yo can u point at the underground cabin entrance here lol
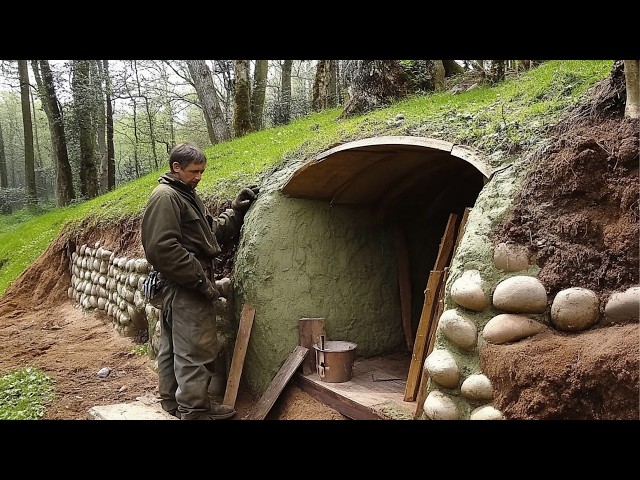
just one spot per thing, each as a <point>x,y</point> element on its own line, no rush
<point>424,188</point>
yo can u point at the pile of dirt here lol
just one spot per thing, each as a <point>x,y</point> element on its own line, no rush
<point>578,212</point>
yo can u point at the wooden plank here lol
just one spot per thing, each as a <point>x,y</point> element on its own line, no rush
<point>424,377</point>
<point>239,353</point>
<point>420,345</point>
<point>446,243</point>
<point>439,310</point>
<point>422,394</point>
<point>346,406</point>
<point>404,280</point>
<point>310,330</point>
<point>463,223</point>
<point>269,397</point>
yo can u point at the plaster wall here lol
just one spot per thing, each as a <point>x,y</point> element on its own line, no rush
<point>305,258</point>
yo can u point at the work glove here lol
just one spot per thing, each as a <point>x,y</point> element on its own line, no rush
<point>210,292</point>
<point>223,286</point>
<point>245,198</point>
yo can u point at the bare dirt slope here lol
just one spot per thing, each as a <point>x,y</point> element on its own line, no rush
<point>579,209</point>
<point>41,327</point>
<point>578,213</point>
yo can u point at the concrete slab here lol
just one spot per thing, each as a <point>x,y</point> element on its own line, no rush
<point>144,408</point>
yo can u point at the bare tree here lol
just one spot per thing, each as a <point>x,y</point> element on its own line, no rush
<point>4,182</point>
<point>134,124</point>
<point>111,161</point>
<point>82,106</point>
<point>149,114</point>
<point>29,157</point>
<point>99,118</point>
<point>44,179</point>
<point>631,74</point>
<point>64,178</point>
<point>5,206</point>
<point>282,110</point>
<point>258,94</point>
<point>218,129</point>
<point>242,99</point>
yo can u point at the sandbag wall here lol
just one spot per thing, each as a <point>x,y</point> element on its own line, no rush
<point>102,280</point>
<point>113,284</point>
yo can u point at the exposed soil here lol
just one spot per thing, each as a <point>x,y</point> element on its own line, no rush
<point>41,327</point>
<point>577,212</point>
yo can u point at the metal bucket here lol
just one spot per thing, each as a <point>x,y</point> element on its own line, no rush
<point>334,360</point>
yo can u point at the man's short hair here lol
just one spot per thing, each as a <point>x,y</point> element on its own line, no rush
<point>186,154</point>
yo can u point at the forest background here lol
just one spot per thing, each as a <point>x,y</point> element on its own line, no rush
<point>72,130</point>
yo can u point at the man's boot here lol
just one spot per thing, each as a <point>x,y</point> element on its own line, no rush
<point>216,412</point>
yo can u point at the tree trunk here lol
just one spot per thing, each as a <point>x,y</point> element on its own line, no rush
<point>496,72</point>
<point>377,83</point>
<point>631,74</point>
<point>42,182</point>
<point>282,114</point>
<point>64,178</point>
<point>134,123</point>
<point>258,94</point>
<point>29,160</point>
<point>82,102</point>
<point>324,94</point>
<point>286,91</point>
<point>425,76</point>
<point>242,100</point>
<point>111,157</point>
<point>150,119</point>
<point>451,67</point>
<point>218,129</point>
<point>4,180</point>
<point>5,205</point>
<point>100,122</point>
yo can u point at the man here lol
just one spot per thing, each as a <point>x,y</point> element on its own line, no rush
<point>181,241</point>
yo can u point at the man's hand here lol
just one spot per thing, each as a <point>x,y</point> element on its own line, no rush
<point>210,292</point>
<point>245,198</point>
<point>223,286</point>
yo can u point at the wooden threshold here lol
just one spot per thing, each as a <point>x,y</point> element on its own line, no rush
<point>374,392</point>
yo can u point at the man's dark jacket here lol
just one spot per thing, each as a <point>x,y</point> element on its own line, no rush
<point>180,239</point>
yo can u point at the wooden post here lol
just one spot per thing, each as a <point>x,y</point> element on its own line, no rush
<point>425,334</point>
<point>420,345</point>
<point>446,243</point>
<point>404,280</point>
<point>269,397</point>
<point>239,352</point>
<point>431,336</point>
<point>438,312</point>
<point>310,330</point>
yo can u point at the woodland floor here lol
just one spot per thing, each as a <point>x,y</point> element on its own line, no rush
<point>578,212</point>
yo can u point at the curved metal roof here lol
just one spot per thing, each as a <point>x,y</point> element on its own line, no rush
<point>377,170</point>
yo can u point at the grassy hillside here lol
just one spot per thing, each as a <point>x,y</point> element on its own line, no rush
<point>505,118</point>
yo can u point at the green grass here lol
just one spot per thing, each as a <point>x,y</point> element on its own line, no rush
<point>24,394</point>
<point>489,119</point>
<point>141,349</point>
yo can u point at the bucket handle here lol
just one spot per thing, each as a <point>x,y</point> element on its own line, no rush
<point>320,364</point>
